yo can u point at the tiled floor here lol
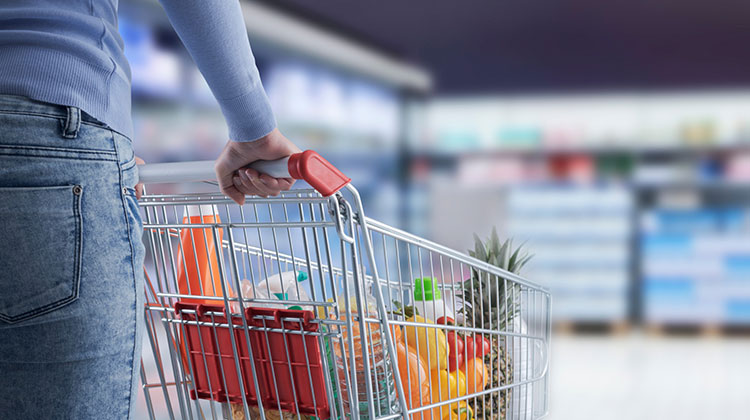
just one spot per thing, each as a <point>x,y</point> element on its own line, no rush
<point>636,377</point>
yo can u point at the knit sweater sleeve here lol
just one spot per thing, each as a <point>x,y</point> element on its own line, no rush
<point>214,33</point>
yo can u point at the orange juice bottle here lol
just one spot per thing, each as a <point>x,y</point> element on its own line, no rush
<point>197,258</point>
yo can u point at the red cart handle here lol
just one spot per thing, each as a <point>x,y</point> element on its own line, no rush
<point>317,172</point>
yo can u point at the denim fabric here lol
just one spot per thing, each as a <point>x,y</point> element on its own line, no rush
<point>71,258</point>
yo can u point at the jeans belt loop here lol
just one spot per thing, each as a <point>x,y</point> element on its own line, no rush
<point>72,123</point>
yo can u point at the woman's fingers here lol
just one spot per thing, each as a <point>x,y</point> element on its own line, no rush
<point>266,185</point>
<point>251,182</point>
<point>276,185</point>
<point>233,191</point>
<point>245,184</point>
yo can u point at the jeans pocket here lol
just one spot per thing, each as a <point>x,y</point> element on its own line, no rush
<point>40,253</point>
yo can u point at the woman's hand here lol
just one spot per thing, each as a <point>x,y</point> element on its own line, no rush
<point>236,181</point>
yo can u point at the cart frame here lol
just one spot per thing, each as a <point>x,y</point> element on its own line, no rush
<point>334,232</point>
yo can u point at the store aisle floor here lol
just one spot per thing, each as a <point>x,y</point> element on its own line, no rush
<point>637,377</point>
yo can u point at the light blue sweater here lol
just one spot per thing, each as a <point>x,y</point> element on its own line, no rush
<point>68,52</point>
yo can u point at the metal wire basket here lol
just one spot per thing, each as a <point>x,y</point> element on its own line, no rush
<point>299,306</point>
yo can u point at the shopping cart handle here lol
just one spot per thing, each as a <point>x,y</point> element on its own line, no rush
<point>308,166</point>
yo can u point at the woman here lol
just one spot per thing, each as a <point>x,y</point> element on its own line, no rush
<point>71,288</point>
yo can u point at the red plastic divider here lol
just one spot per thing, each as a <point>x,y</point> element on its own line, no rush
<point>288,365</point>
<point>201,343</point>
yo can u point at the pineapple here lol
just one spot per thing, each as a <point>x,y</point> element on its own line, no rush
<point>483,297</point>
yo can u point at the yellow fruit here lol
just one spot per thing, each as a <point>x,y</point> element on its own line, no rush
<point>460,382</point>
<point>463,412</point>
<point>476,374</point>
<point>446,386</point>
<point>430,343</point>
<point>322,310</point>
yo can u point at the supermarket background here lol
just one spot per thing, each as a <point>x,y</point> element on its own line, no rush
<point>613,138</point>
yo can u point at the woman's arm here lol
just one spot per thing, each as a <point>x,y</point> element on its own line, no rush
<point>214,33</point>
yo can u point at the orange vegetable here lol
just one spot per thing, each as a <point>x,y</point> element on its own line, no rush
<point>476,375</point>
<point>396,333</point>
<point>413,372</point>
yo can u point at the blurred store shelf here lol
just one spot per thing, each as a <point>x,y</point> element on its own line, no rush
<point>575,174</point>
<point>696,265</point>
<point>589,123</point>
<point>580,236</point>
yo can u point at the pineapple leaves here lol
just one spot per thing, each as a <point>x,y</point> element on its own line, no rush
<point>494,242</point>
<point>502,255</point>
<point>488,296</point>
<point>502,258</point>
<point>514,258</point>
<point>479,249</point>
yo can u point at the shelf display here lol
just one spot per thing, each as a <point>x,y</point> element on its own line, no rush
<point>586,122</point>
<point>580,235</point>
<point>695,265</point>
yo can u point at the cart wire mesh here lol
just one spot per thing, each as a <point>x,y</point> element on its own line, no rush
<point>296,307</point>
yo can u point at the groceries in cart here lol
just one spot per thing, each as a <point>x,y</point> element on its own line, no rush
<point>300,306</point>
<point>428,300</point>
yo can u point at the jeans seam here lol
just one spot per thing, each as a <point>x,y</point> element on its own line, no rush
<point>57,157</point>
<point>48,115</point>
<point>132,266</point>
<point>59,149</point>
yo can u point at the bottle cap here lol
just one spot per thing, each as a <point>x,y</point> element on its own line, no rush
<point>425,289</point>
<point>302,276</point>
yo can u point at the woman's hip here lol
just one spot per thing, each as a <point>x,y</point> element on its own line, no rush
<point>71,257</point>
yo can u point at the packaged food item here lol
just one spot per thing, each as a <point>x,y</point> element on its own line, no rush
<point>428,300</point>
<point>284,286</point>
<point>380,373</point>
<point>197,257</point>
<point>197,260</point>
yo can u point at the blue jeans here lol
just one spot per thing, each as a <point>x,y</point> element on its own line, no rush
<point>71,265</point>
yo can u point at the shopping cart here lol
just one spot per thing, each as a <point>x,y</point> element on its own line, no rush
<point>299,306</point>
